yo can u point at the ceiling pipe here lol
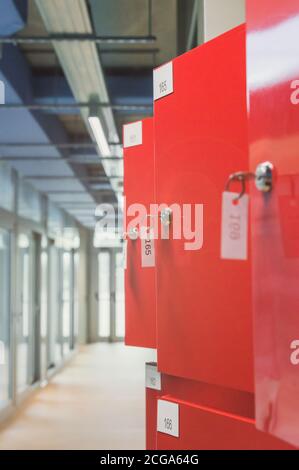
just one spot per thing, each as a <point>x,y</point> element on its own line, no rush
<point>104,178</point>
<point>42,106</point>
<point>64,37</point>
<point>98,191</point>
<point>114,50</point>
<point>61,145</point>
<point>65,159</point>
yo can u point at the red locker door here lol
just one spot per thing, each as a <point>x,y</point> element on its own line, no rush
<point>204,428</point>
<point>273,73</point>
<point>203,302</point>
<point>140,298</point>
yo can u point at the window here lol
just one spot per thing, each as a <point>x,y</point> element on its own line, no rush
<point>25,348</point>
<point>4,317</point>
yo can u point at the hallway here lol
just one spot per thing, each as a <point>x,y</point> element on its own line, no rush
<point>96,402</point>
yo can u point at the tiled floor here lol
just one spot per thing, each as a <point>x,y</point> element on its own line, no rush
<point>96,402</point>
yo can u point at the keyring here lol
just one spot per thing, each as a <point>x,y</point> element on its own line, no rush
<point>240,176</point>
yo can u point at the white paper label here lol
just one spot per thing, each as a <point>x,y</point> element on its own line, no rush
<point>168,418</point>
<point>147,252</point>
<point>234,230</point>
<point>163,81</point>
<point>152,377</point>
<point>125,254</point>
<point>133,134</point>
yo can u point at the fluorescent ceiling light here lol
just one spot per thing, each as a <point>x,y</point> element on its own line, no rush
<point>99,135</point>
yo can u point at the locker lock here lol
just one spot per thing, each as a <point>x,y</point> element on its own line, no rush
<point>263,178</point>
<point>166,216</point>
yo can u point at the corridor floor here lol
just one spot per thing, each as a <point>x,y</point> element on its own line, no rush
<point>95,402</point>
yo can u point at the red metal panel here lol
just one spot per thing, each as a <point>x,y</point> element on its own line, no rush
<point>206,428</point>
<point>273,65</point>
<point>151,418</point>
<point>213,396</point>
<point>203,302</point>
<point>139,282</point>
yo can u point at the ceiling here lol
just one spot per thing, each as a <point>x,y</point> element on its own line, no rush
<point>69,72</point>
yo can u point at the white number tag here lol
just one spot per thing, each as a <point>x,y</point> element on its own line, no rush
<point>152,377</point>
<point>163,81</point>
<point>133,134</point>
<point>234,230</point>
<point>147,250</point>
<point>168,418</point>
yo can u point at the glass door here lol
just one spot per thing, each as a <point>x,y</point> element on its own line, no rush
<point>110,295</point>
<point>25,337</point>
<point>44,310</point>
<point>37,295</point>
<point>119,288</point>
<point>28,353</point>
<point>67,300</point>
<point>5,356</point>
<point>54,318</point>
<point>75,323</point>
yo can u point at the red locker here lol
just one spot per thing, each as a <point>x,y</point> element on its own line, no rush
<point>140,298</point>
<point>203,302</point>
<point>273,74</point>
<point>204,428</point>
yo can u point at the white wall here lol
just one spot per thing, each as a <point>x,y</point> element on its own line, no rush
<point>221,16</point>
